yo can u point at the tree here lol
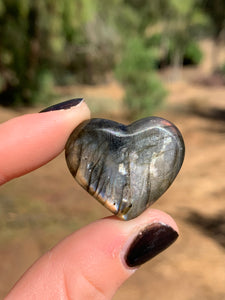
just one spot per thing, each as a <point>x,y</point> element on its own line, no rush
<point>171,26</point>
<point>42,41</point>
<point>144,90</point>
<point>215,10</point>
<point>137,66</point>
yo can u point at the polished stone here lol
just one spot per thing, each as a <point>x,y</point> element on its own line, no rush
<point>126,168</point>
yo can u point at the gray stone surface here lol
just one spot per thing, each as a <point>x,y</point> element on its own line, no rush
<point>126,168</point>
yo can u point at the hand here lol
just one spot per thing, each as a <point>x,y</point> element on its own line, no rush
<point>95,260</point>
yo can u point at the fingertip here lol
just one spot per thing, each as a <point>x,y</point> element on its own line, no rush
<point>158,216</point>
<point>114,249</point>
<point>153,233</point>
<point>76,115</point>
<point>94,261</point>
<point>73,114</point>
<point>36,139</point>
<point>63,105</point>
<point>149,216</point>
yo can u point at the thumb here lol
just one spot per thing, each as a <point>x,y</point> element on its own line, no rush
<point>94,261</point>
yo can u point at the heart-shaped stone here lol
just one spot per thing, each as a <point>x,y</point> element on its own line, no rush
<point>126,168</point>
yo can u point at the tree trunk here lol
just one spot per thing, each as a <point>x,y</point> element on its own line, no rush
<point>177,65</point>
<point>216,50</point>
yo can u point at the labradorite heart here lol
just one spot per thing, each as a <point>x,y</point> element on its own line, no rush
<point>126,168</point>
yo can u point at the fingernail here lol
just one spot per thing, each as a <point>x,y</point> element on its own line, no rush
<point>63,105</point>
<point>151,241</point>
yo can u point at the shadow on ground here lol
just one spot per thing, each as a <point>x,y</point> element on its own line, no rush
<point>213,226</point>
<point>213,113</point>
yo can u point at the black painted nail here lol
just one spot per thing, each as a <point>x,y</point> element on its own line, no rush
<point>150,242</point>
<point>63,105</point>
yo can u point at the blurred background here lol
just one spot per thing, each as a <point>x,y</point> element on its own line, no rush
<point>128,59</point>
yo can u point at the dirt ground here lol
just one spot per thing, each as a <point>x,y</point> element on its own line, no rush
<point>39,209</point>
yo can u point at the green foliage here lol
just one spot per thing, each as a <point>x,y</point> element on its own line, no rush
<point>27,52</point>
<point>215,10</point>
<point>43,41</point>
<point>136,58</point>
<point>193,54</point>
<point>177,27</point>
<point>47,42</point>
<point>221,70</point>
<point>144,91</point>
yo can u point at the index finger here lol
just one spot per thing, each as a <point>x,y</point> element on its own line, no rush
<point>32,140</point>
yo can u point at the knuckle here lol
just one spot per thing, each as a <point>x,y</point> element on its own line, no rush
<point>91,288</point>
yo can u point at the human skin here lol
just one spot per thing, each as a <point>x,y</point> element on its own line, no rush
<point>90,263</point>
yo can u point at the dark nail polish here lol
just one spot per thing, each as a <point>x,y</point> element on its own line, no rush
<point>63,105</point>
<point>150,242</point>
